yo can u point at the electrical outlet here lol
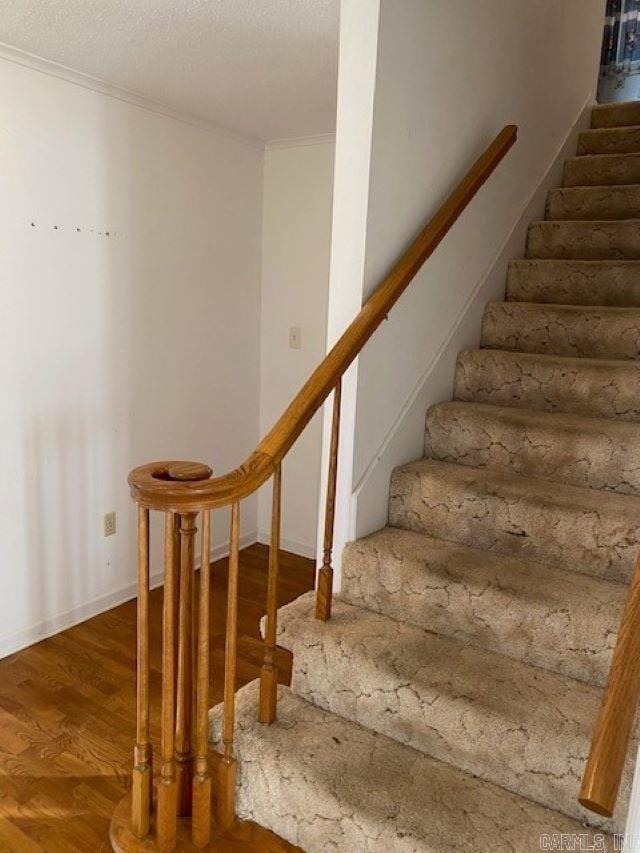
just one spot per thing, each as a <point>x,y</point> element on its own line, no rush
<point>295,337</point>
<point>109,524</point>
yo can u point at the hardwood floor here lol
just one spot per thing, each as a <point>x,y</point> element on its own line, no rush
<point>67,712</point>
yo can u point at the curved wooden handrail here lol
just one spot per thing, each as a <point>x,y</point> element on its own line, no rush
<point>153,488</point>
<point>183,489</point>
<point>610,742</point>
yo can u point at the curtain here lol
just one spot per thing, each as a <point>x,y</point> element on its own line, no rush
<point>621,41</point>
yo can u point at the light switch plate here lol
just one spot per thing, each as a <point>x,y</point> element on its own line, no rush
<point>295,337</point>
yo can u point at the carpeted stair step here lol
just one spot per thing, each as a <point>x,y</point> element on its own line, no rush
<point>609,140</point>
<point>584,386</point>
<point>601,170</point>
<point>595,240</point>
<point>501,720</point>
<point>584,530</point>
<point>561,621</point>
<point>585,203</point>
<point>574,282</point>
<point>621,114</point>
<point>595,453</point>
<point>325,783</point>
<point>571,330</point>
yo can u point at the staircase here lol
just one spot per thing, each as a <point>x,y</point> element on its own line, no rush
<point>450,701</point>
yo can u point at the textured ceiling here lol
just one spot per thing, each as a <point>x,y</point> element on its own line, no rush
<point>263,68</point>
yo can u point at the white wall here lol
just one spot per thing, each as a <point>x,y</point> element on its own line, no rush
<point>296,237</point>
<point>114,349</point>
<point>354,123</point>
<point>438,102</point>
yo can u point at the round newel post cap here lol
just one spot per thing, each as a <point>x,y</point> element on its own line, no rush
<point>172,486</point>
<point>181,472</point>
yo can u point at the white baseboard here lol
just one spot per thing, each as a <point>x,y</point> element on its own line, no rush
<point>222,550</point>
<point>302,549</point>
<point>14,642</point>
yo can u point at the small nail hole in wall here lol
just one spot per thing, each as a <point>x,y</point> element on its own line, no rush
<point>78,230</point>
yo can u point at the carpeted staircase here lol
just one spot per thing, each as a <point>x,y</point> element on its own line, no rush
<point>449,703</point>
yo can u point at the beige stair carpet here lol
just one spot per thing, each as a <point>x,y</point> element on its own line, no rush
<point>555,619</point>
<point>577,282</point>
<point>568,448</point>
<point>449,703</point>
<point>582,330</point>
<point>588,240</point>
<point>601,170</point>
<point>594,387</point>
<point>585,530</point>
<point>516,725</point>
<point>328,784</point>
<point>621,202</point>
<point>604,140</point>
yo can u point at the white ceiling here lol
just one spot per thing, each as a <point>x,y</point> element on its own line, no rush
<point>262,68</point>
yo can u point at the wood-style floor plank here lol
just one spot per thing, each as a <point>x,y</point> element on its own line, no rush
<point>67,712</point>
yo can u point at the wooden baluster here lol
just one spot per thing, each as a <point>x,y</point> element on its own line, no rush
<point>176,601</point>
<point>185,679</point>
<point>201,824</point>
<point>141,788</point>
<point>325,575</point>
<point>227,778</point>
<point>167,790</point>
<point>269,671</point>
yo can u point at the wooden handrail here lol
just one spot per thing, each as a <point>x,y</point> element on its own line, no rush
<point>610,742</point>
<point>182,490</point>
<point>155,485</point>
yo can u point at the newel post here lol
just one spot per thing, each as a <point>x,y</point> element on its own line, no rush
<point>180,816</point>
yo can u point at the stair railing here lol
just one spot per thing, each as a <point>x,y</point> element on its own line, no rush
<point>612,733</point>
<point>182,490</point>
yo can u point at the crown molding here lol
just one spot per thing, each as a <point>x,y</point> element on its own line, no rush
<point>111,90</point>
<point>300,141</point>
